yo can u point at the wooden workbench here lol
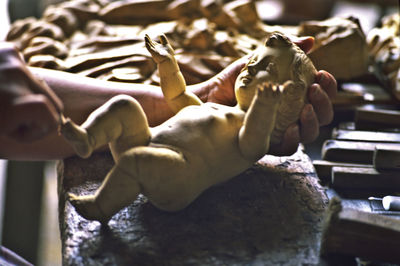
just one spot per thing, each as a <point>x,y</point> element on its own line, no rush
<point>269,215</point>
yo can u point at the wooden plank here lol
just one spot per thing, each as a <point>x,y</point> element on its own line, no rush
<point>347,125</point>
<point>324,168</point>
<point>364,179</point>
<point>386,158</point>
<point>370,136</point>
<point>360,234</point>
<point>376,119</point>
<point>351,151</point>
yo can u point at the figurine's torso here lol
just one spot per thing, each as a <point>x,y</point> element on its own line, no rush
<point>207,135</point>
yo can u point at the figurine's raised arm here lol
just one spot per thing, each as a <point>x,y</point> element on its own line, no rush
<point>254,137</point>
<point>173,84</point>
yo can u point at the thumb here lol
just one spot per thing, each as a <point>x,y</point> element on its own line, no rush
<point>305,43</point>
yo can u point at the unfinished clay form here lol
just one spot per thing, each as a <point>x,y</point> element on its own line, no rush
<point>203,144</point>
<point>384,48</point>
<point>340,46</point>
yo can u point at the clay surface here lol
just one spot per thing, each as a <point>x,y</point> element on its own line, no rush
<point>340,46</point>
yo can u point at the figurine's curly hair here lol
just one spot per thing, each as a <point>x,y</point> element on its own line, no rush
<point>301,64</point>
<point>301,73</point>
<point>301,76</point>
<point>300,60</point>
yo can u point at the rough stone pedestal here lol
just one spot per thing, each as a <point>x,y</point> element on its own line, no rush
<point>269,215</point>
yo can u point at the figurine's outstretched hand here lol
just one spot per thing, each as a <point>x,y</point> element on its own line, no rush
<point>270,93</point>
<point>159,51</point>
<point>172,82</point>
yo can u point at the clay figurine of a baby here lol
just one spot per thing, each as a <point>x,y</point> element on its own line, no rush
<point>203,144</point>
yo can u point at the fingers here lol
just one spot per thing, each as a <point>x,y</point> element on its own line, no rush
<point>148,42</point>
<point>289,143</point>
<point>327,82</point>
<point>163,39</point>
<point>147,39</point>
<point>309,129</point>
<point>230,73</point>
<point>320,95</point>
<point>307,132</point>
<point>305,43</point>
<point>320,111</point>
<point>321,103</point>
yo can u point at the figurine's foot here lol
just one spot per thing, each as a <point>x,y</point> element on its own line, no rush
<point>269,93</point>
<point>87,207</point>
<point>77,137</point>
<point>289,89</point>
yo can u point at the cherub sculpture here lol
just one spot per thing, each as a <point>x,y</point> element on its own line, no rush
<point>203,144</point>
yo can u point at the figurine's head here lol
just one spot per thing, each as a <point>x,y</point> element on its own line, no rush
<point>277,61</point>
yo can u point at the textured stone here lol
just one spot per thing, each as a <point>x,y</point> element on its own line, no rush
<point>269,215</point>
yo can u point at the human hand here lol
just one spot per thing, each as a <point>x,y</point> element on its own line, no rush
<point>318,112</point>
<point>29,109</point>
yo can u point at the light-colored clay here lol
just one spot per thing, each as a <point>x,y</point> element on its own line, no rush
<point>203,144</point>
<point>384,48</point>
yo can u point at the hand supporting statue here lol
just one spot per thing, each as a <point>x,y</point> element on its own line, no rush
<point>318,112</point>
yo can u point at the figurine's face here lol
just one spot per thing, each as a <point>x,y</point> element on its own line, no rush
<point>272,62</point>
<point>267,64</point>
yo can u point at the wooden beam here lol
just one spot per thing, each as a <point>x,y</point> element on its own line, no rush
<point>370,136</point>
<point>364,179</point>
<point>386,158</point>
<point>366,119</point>
<point>352,151</point>
<point>360,234</point>
<point>324,168</point>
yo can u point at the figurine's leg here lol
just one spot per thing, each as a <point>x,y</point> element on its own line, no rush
<point>121,122</point>
<point>254,136</point>
<point>118,190</point>
<point>155,172</point>
<point>289,110</point>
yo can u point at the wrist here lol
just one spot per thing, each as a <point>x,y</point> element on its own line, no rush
<point>204,90</point>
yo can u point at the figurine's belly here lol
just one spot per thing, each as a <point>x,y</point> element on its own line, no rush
<point>200,127</point>
<point>208,138</point>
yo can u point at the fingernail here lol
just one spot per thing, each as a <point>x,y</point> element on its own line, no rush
<point>313,90</point>
<point>294,130</point>
<point>319,77</point>
<point>309,111</point>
